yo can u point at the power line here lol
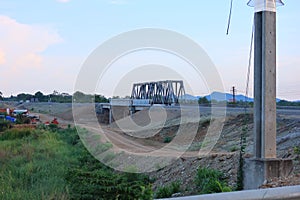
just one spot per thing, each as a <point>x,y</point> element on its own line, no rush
<point>229,18</point>
<point>249,62</point>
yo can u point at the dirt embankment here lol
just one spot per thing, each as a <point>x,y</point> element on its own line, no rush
<point>224,156</point>
<point>184,171</point>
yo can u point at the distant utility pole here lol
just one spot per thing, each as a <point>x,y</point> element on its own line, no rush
<point>233,94</point>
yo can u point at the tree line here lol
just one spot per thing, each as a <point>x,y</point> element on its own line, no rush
<point>205,101</point>
<point>57,97</point>
<point>81,97</point>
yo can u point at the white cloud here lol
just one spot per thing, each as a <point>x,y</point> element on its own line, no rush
<point>21,48</point>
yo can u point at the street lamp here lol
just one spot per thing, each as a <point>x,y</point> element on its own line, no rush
<point>265,5</point>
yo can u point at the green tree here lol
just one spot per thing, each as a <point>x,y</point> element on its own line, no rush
<point>287,103</point>
<point>203,100</point>
<point>1,98</point>
<point>23,97</point>
<point>101,99</point>
<point>40,96</point>
<point>55,93</point>
<point>80,97</point>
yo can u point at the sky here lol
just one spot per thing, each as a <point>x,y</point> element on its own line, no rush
<point>44,44</point>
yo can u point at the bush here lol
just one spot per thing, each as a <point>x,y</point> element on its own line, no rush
<point>168,191</point>
<point>167,139</point>
<point>234,148</point>
<point>4,125</point>
<point>21,119</point>
<point>69,135</point>
<point>53,127</point>
<point>297,150</point>
<point>210,181</point>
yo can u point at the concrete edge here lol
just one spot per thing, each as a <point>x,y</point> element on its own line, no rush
<point>290,193</point>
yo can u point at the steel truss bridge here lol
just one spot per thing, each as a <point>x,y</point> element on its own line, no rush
<point>161,92</point>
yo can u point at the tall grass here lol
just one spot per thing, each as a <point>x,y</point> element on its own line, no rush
<point>13,134</point>
<point>33,165</point>
<point>51,163</point>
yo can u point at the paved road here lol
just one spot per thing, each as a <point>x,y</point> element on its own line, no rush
<point>294,111</point>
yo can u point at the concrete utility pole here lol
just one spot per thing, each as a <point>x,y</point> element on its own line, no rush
<point>265,84</point>
<point>264,165</point>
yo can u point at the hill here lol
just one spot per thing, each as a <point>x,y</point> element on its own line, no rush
<point>220,96</point>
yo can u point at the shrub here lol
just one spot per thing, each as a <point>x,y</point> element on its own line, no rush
<point>69,135</point>
<point>167,139</point>
<point>21,119</point>
<point>210,181</point>
<point>168,191</point>
<point>4,125</point>
<point>234,148</point>
<point>297,150</point>
<point>53,127</point>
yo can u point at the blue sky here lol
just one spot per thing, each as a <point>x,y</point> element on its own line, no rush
<point>43,44</point>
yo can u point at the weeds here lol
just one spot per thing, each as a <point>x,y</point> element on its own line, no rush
<point>297,150</point>
<point>210,181</point>
<point>234,148</point>
<point>168,191</point>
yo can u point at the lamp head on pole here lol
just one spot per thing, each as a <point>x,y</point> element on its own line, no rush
<point>265,5</point>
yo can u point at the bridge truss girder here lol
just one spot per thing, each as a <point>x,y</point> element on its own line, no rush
<point>160,92</point>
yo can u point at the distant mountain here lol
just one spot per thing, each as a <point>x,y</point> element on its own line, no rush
<point>189,97</point>
<point>220,96</point>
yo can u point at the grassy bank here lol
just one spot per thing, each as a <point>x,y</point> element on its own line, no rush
<point>49,163</point>
<point>52,163</point>
<point>33,165</point>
